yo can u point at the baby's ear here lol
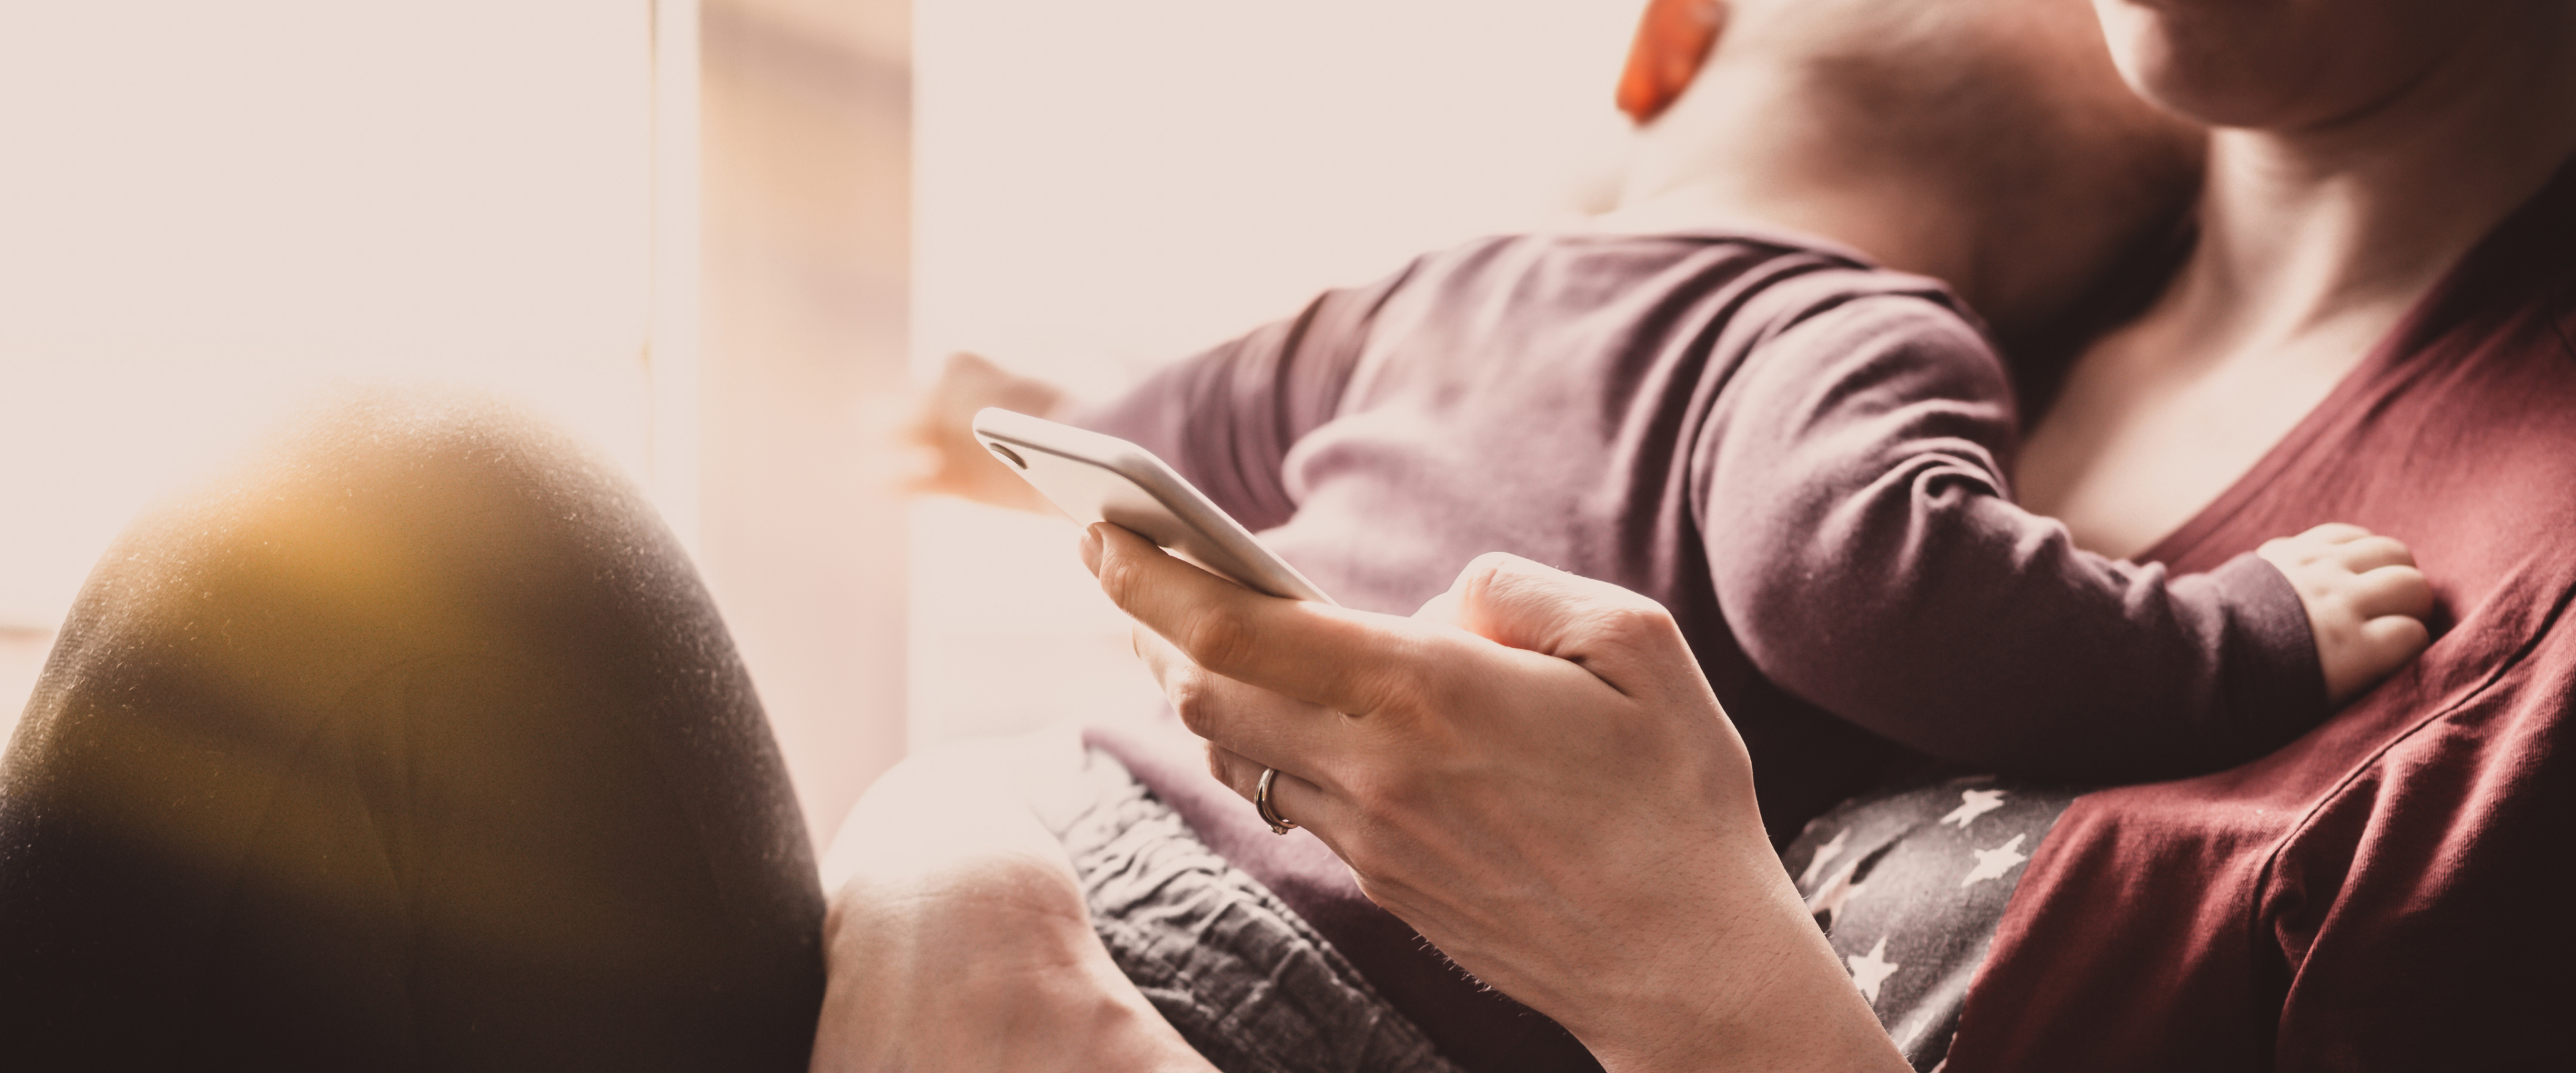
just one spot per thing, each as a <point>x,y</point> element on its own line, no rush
<point>1673,39</point>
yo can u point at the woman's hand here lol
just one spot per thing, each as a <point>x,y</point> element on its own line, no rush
<point>1532,772</point>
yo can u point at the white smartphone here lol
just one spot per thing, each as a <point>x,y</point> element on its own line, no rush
<point>1098,478</point>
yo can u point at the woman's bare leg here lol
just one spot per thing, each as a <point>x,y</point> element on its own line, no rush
<point>958,939</point>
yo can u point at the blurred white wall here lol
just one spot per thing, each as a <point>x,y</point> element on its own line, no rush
<point>207,210</point>
<point>806,115</point>
<point>1107,185</point>
<point>207,207</point>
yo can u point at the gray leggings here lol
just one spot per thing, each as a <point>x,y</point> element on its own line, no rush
<point>1242,977</point>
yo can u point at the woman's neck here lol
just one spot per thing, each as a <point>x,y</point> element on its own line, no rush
<point>2313,244</point>
<point>2311,230</point>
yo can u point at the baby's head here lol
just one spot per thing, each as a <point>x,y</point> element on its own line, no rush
<point>1989,142</point>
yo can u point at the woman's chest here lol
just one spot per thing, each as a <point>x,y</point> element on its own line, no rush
<point>2146,434</point>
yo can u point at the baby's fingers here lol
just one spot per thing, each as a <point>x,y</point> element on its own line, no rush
<point>2330,533</point>
<point>2391,640</point>
<point>2390,591</point>
<point>2368,625</point>
<point>2369,552</point>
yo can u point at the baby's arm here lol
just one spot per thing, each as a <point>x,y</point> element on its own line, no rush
<point>1866,552</point>
<point>1224,418</point>
<point>2366,602</point>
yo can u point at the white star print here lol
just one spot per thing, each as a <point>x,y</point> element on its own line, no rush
<point>1993,863</point>
<point>1829,899</point>
<point>1871,969</point>
<point>1826,852</point>
<point>1972,804</point>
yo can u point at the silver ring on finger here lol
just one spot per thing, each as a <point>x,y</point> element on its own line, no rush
<point>1279,825</point>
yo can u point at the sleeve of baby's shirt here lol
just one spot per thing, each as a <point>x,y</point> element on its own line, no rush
<point>1852,488</point>
<point>1227,417</point>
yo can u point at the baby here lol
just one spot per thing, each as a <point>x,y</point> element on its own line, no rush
<point>1717,398</point>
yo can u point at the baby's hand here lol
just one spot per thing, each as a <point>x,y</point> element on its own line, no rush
<point>2366,602</point>
<point>935,448</point>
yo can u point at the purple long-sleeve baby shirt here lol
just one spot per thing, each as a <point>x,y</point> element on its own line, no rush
<point>1803,456</point>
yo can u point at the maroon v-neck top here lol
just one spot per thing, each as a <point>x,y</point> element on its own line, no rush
<point>2390,891</point>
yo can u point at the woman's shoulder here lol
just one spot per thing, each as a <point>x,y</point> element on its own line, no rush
<point>2524,270</point>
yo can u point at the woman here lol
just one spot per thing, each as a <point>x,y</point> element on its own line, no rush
<point>2372,321</point>
<point>420,612</point>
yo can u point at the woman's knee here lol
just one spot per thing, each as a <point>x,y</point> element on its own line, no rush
<point>422,621</point>
<point>385,527</point>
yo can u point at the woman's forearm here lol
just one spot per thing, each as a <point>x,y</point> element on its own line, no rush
<point>1777,999</point>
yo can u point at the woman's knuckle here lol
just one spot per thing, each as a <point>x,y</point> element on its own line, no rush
<point>1217,638</point>
<point>1194,698</point>
<point>1409,786</point>
<point>1394,683</point>
<point>1118,579</point>
<point>1634,623</point>
<point>1447,693</point>
<point>1370,795</point>
<point>1483,569</point>
<point>1220,764</point>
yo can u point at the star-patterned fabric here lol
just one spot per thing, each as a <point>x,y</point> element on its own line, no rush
<point>1909,886</point>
